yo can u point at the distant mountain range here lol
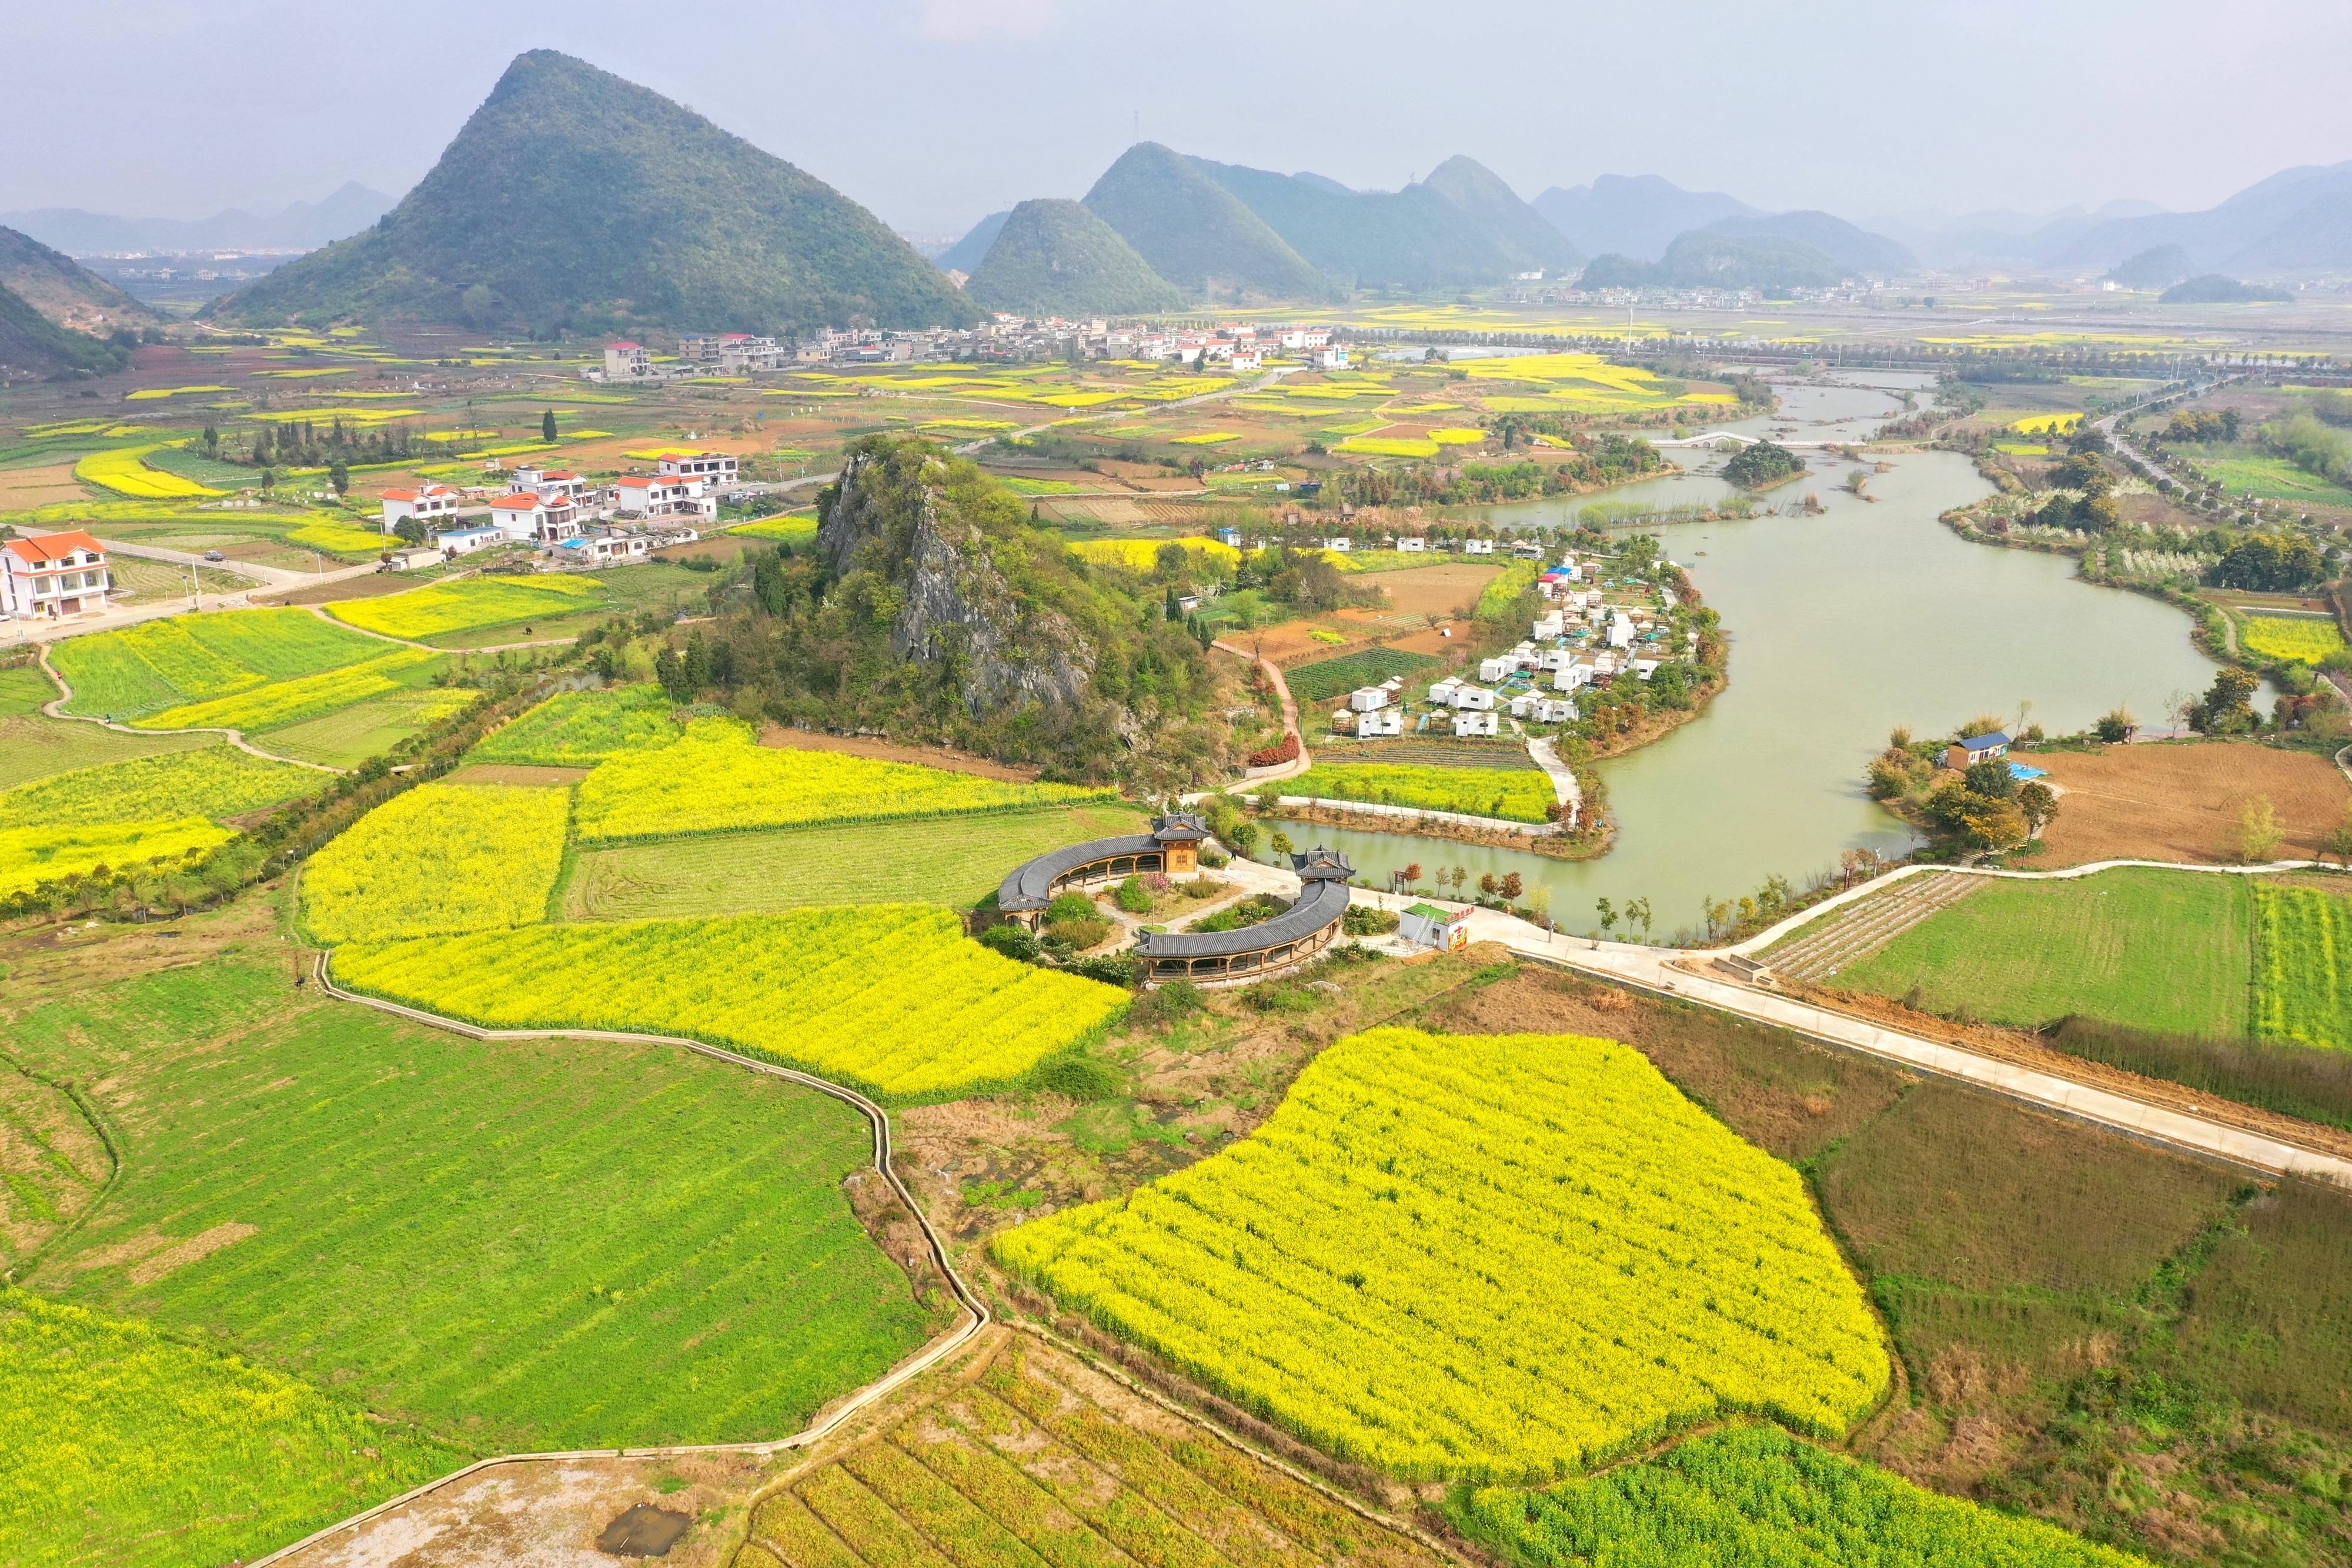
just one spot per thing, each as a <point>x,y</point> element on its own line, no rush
<point>1706,259</point>
<point>572,199</point>
<point>2299,220</point>
<point>304,225</point>
<point>1635,215</point>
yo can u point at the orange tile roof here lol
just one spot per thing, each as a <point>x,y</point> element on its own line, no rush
<point>400,495</point>
<point>49,547</point>
<point>517,502</point>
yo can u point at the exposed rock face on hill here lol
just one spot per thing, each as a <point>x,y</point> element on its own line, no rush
<point>957,613</point>
<point>574,199</point>
<point>1057,258</point>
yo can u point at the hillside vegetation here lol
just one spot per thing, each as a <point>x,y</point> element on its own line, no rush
<point>1702,259</point>
<point>1196,233</point>
<point>1058,258</point>
<point>31,345</point>
<point>62,288</point>
<point>574,199</point>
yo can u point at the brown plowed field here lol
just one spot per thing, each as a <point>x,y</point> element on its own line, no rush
<point>2182,800</point>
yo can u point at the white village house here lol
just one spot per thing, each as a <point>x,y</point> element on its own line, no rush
<point>432,506</point>
<point>51,576</point>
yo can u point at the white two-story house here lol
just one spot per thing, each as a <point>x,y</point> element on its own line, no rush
<point>52,576</point>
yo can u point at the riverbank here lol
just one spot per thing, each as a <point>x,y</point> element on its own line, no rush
<point>1399,822</point>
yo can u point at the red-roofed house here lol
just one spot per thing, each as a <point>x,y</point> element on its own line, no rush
<point>627,361</point>
<point>432,506</point>
<point>52,576</point>
<point>532,518</point>
<point>552,484</point>
<point>650,494</point>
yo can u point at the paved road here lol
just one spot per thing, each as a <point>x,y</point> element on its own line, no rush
<point>1661,969</point>
<point>269,580</point>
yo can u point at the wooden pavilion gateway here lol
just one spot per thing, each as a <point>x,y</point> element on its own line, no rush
<point>1173,848</point>
<point>1254,952</point>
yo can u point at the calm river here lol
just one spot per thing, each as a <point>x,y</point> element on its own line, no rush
<point>1841,625</point>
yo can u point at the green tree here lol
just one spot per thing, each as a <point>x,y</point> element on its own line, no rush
<point>547,426</point>
<point>1608,916</point>
<point>1280,844</point>
<point>2258,831</point>
<point>1637,910</point>
<point>2227,707</point>
<point>2116,726</point>
<point>2339,842</point>
<point>2038,803</point>
<point>411,530</point>
<point>338,476</point>
<point>1990,778</point>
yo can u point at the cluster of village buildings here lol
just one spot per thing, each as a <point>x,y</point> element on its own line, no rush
<point>1589,637</point>
<point>1236,346</point>
<point>580,521</point>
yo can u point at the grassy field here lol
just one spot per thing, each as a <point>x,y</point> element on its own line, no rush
<point>306,697</point>
<point>370,727</point>
<point>2274,478</point>
<point>34,746</point>
<point>123,1444</point>
<point>957,862</point>
<point>550,1244</point>
<point>1044,1461</point>
<point>1515,795</point>
<point>1663,1273</point>
<point>2158,950</point>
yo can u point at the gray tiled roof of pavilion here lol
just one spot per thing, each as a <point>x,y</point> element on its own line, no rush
<point>1030,885</point>
<point>1322,900</point>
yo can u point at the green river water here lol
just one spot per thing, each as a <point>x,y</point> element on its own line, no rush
<point>1841,625</point>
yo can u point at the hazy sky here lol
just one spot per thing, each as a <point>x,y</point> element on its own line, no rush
<point>934,112</point>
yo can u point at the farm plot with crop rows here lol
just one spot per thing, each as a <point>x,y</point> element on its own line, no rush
<point>891,997</point>
<point>1516,795</point>
<point>580,729</point>
<point>717,778</point>
<point>185,659</point>
<point>1044,1462</point>
<point>1756,1497</point>
<point>469,602</point>
<point>1331,678</point>
<point>438,860</point>
<point>1490,1257</point>
<point>2303,965</point>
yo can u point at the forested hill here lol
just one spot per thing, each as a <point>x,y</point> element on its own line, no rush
<point>574,199</point>
<point>1196,233</point>
<point>33,347</point>
<point>63,290</point>
<point>931,608</point>
<point>1057,258</point>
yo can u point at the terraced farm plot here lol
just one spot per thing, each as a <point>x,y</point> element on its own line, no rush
<point>1044,1461</point>
<point>519,1245</point>
<point>182,660</point>
<point>580,729</point>
<point>1330,679</point>
<point>1757,1496</point>
<point>957,863</point>
<point>891,997</point>
<point>438,860</point>
<point>718,778</point>
<point>2155,950</point>
<point>469,603</point>
<point>1492,1257</point>
<point>122,1443</point>
<point>1516,795</point>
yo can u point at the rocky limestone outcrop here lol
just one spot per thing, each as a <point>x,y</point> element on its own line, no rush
<point>956,609</point>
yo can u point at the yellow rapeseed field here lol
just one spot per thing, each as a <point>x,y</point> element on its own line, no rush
<point>1483,1257</point>
<point>124,471</point>
<point>1140,555</point>
<point>717,778</point>
<point>442,858</point>
<point>893,997</point>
